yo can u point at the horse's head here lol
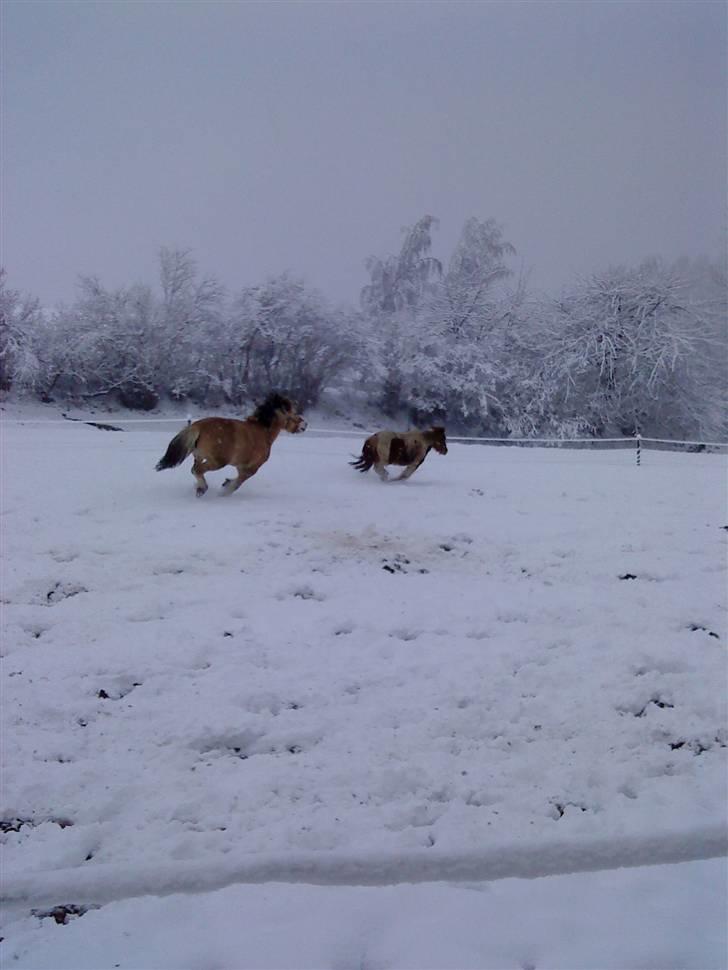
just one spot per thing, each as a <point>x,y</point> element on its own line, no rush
<point>280,411</point>
<point>295,422</point>
<point>438,440</point>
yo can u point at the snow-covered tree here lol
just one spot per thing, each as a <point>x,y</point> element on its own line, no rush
<point>442,351</point>
<point>106,345</point>
<point>643,347</point>
<point>282,335</point>
<point>467,300</point>
<point>20,323</point>
<point>134,344</point>
<point>397,287</point>
<point>190,322</point>
<point>629,349</point>
<point>399,282</point>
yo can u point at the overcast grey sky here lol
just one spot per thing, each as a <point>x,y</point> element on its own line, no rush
<point>303,136</point>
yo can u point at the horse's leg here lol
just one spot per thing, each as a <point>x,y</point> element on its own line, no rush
<point>231,485</point>
<point>409,470</point>
<point>198,469</point>
<point>381,471</point>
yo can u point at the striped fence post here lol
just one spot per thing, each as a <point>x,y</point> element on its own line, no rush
<point>639,448</point>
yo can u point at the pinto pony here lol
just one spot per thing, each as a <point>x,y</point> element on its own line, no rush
<point>409,448</point>
<point>246,445</point>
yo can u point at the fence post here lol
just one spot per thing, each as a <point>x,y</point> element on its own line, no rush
<point>639,447</point>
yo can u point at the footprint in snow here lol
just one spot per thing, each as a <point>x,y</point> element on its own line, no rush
<point>60,556</point>
<point>17,823</point>
<point>304,592</point>
<point>405,635</point>
<point>399,564</point>
<point>62,914</point>
<point>698,627</point>
<point>651,578</point>
<point>35,630</point>
<point>559,809</point>
<point>63,591</point>
<point>167,570</point>
<point>640,708</point>
<point>120,690</point>
<point>46,592</point>
<point>145,616</point>
<point>698,747</point>
<point>238,745</point>
<point>512,617</point>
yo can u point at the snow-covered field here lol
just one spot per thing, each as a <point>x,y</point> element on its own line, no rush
<point>513,665</point>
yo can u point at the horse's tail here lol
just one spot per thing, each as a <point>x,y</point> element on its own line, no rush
<point>179,447</point>
<point>367,458</point>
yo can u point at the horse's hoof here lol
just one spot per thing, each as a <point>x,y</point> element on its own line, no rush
<point>199,492</point>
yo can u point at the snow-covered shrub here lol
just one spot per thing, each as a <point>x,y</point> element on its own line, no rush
<point>282,335</point>
<point>630,349</point>
<point>20,324</point>
<point>443,350</point>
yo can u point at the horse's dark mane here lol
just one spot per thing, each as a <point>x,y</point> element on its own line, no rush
<point>265,413</point>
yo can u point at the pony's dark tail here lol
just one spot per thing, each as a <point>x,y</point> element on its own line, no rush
<point>179,447</point>
<point>365,461</point>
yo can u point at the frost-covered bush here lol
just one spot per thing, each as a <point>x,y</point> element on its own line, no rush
<point>282,335</point>
<point>458,343</point>
<point>20,323</point>
<point>106,345</point>
<point>443,351</point>
<point>631,349</point>
<point>135,345</point>
<point>190,317</point>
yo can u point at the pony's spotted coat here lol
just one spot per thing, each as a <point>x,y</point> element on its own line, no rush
<point>246,445</point>
<point>408,448</point>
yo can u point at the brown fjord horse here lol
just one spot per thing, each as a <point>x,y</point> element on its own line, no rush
<point>246,445</point>
<point>409,448</point>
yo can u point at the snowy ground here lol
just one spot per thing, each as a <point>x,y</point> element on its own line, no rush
<point>512,665</point>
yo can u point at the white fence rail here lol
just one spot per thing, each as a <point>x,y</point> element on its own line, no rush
<point>636,443</point>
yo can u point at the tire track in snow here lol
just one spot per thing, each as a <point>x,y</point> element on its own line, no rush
<point>103,884</point>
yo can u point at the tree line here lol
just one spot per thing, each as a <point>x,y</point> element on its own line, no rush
<point>461,342</point>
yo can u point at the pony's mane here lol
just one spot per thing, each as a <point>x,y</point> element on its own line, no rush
<point>265,413</point>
